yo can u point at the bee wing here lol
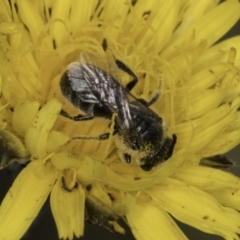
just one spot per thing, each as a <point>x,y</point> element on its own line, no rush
<point>105,87</point>
<point>78,83</point>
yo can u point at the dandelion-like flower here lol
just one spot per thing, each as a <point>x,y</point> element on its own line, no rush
<point>169,46</point>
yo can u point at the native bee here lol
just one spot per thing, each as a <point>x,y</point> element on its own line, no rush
<point>98,93</point>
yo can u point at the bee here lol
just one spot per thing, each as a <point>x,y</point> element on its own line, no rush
<point>93,86</point>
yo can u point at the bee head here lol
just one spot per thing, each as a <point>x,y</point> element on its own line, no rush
<point>163,153</point>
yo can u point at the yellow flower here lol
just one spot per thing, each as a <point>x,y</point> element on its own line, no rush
<point>168,45</point>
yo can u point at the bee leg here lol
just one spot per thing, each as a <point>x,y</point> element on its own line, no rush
<point>127,70</point>
<point>152,101</point>
<point>131,84</point>
<point>79,117</point>
<point>101,137</point>
<point>105,136</point>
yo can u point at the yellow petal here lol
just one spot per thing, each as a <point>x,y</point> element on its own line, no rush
<point>132,182</point>
<point>5,12</point>
<point>8,28</point>
<point>11,145</point>
<point>151,222</point>
<point>68,210</point>
<point>209,76</point>
<point>222,185</point>
<point>229,197</point>
<point>90,170</point>
<point>60,13</point>
<point>56,140</point>
<point>99,191</point>
<point>64,160</point>
<point>218,53</point>
<point>207,179</point>
<point>23,115</point>
<point>196,208</point>
<point>12,149</point>
<point>196,134</point>
<point>123,202</point>
<point>222,144</point>
<point>205,101</point>
<point>24,199</point>
<point>181,64</point>
<point>153,18</point>
<point>30,18</point>
<point>194,10</point>
<point>37,134</point>
<point>203,30</point>
<point>80,14</point>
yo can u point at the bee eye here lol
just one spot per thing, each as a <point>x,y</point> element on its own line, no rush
<point>147,167</point>
<point>127,158</point>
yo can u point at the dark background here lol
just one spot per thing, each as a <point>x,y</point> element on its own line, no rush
<point>44,227</point>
